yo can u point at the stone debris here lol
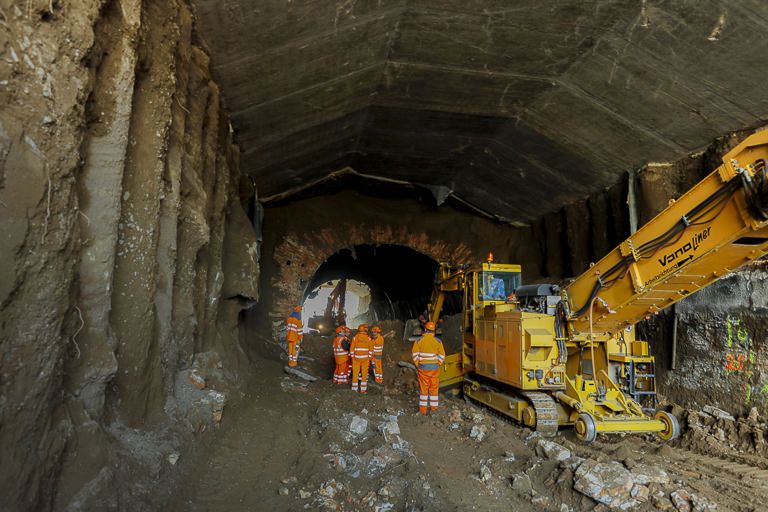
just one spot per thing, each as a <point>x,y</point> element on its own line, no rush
<point>283,491</point>
<point>552,450</point>
<point>330,488</point>
<point>289,480</point>
<point>358,425</point>
<point>455,415</point>
<point>681,499</point>
<point>218,400</point>
<point>196,379</point>
<point>540,500</point>
<point>608,483</point>
<point>640,493</point>
<point>304,495</point>
<point>173,458</point>
<point>702,504</point>
<point>478,432</point>
<point>509,456</point>
<point>485,471</point>
<point>753,416</point>
<point>717,413</point>
<point>300,374</point>
<point>390,426</point>
<point>522,483</point>
<point>644,474</point>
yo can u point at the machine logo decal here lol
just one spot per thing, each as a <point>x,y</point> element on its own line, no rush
<point>691,245</point>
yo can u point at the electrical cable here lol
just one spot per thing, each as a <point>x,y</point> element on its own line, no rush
<point>757,201</point>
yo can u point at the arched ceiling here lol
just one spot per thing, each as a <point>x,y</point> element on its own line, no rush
<point>516,107</point>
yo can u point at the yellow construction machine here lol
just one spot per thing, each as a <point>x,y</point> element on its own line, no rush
<point>548,356</point>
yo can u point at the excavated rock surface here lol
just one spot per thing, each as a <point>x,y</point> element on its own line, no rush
<point>118,195</point>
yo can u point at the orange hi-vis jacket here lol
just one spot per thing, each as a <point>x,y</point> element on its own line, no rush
<point>339,352</point>
<point>378,346</point>
<point>293,327</point>
<point>428,352</point>
<point>361,347</point>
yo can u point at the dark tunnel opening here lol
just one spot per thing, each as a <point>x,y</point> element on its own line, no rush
<point>400,281</point>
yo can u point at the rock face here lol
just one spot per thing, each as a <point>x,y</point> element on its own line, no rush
<point>119,185</point>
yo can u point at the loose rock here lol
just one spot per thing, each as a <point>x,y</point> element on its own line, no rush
<point>681,499</point>
<point>358,425</point>
<point>552,450</point>
<point>478,432</point>
<point>608,483</point>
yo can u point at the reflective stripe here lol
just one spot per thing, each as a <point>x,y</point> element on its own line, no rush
<point>433,398</point>
<point>429,366</point>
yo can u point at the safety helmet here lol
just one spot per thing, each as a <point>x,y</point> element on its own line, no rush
<point>297,308</point>
<point>363,328</point>
<point>376,329</point>
<point>430,326</point>
<point>340,329</point>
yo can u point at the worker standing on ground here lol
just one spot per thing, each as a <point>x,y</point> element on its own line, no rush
<point>428,354</point>
<point>377,342</point>
<point>294,334</point>
<point>361,350</point>
<point>341,355</point>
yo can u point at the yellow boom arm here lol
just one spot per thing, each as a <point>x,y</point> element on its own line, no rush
<point>711,230</point>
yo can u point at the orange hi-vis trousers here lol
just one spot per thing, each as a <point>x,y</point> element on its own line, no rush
<point>378,369</point>
<point>360,368</point>
<point>293,352</point>
<point>341,373</point>
<point>429,387</point>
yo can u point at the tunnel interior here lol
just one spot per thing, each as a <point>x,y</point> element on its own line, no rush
<point>400,279</point>
<point>174,176</point>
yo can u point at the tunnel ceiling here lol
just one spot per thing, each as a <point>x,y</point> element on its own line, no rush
<point>517,107</point>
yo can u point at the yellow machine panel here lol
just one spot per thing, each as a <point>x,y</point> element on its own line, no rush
<point>519,349</point>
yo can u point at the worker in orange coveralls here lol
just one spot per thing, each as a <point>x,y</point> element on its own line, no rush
<point>361,350</point>
<point>377,341</point>
<point>294,334</point>
<point>348,334</point>
<point>428,354</point>
<point>341,355</point>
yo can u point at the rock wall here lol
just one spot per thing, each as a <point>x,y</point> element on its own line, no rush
<point>118,197</point>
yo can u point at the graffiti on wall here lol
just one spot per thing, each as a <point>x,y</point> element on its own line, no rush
<point>740,359</point>
<point>740,355</point>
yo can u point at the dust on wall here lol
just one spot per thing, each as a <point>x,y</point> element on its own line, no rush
<point>118,198</point>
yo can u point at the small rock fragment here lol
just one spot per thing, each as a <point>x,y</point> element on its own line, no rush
<point>288,480</point>
<point>283,491</point>
<point>358,425</point>
<point>485,472</point>
<point>173,458</point>
<point>552,450</point>
<point>522,483</point>
<point>753,415</point>
<point>304,494</point>
<point>644,474</point>
<point>640,492</point>
<point>478,432</point>
<point>717,413</point>
<point>196,379</point>
<point>681,499</point>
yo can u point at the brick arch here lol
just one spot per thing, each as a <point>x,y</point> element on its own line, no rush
<point>307,251</point>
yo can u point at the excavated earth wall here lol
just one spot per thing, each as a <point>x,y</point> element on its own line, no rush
<point>126,254</point>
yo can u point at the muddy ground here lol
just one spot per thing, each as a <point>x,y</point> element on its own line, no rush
<point>290,445</point>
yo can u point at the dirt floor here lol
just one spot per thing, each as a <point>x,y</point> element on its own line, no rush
<point>292,445</point>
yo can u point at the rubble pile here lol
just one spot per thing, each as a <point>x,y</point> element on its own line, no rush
<point>714,432</point>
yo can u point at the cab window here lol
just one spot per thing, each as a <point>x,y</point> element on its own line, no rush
<point>498,285</point>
